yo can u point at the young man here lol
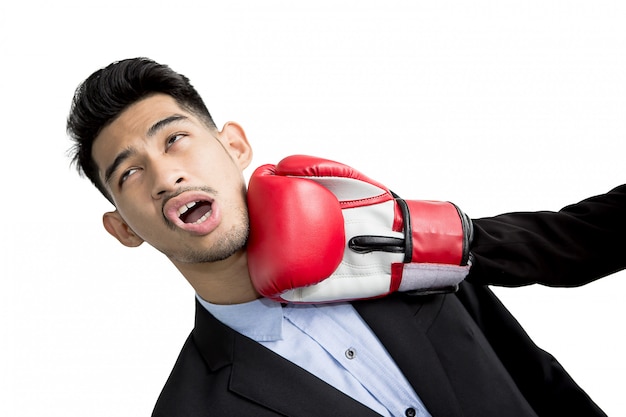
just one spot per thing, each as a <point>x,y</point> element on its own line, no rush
<point>144,137</point>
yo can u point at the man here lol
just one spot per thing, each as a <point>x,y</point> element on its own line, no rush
<point>144,137</point>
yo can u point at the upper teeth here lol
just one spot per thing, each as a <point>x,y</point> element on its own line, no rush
<point>183,209</point>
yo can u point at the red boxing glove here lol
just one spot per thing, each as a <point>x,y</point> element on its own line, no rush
<point>320,231</point>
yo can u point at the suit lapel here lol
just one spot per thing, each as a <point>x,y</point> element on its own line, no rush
<point>266,378</point>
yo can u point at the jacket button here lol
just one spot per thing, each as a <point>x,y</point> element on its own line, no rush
<point>410,412</point>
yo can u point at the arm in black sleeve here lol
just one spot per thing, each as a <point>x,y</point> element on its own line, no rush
<point>576,245</point>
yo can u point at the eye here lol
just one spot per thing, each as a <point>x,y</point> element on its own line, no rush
<point>126,174</point>
<point>171,140</point>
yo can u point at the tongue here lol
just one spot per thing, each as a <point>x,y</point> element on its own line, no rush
<point>194,214</point>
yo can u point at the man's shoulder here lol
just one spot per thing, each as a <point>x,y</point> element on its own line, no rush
<point>181,388</point>
<point>198,388</point>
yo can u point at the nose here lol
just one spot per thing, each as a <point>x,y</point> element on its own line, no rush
<point>166,180</point>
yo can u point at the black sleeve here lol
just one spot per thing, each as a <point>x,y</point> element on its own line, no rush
<point>571,247</point>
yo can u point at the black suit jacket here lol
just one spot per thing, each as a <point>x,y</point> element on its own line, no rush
<point>463,353</point>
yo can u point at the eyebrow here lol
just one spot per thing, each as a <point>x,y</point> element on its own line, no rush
<point>154,129</point>
<point>128,152</point>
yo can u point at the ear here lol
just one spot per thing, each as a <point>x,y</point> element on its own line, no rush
<point>117,227</point>
<point>236,143</point>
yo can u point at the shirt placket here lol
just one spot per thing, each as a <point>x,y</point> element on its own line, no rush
<point>366,360</point>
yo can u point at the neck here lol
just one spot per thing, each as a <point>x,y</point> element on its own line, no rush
<point>223,282</point>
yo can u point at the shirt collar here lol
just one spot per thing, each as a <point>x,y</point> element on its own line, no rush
<point>260,320</point>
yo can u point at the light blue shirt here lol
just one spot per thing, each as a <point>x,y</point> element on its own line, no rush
<point>332,342</point>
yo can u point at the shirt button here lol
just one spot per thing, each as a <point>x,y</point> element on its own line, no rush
<point>351,353</point>
<point>410,412</point>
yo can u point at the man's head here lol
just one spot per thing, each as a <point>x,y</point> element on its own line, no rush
<point>144,137</point>
<point>102,97</point>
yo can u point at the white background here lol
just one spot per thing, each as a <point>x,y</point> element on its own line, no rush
<point>495,105</point>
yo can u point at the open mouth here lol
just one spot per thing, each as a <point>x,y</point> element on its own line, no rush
<point>195,212</point>
<point>192,211</point>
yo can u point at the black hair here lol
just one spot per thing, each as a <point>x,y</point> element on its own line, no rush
<point>106,93</point>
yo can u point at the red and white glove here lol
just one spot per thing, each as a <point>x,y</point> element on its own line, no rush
<point>320,231</point>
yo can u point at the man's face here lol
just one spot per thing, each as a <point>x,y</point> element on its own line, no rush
<point>176,183</point>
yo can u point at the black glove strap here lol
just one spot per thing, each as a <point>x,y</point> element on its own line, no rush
<point>368,243</point>
<point>406,221</point>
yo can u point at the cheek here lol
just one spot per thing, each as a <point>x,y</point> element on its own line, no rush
<point>224,174</point>
<point>139,216</point>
